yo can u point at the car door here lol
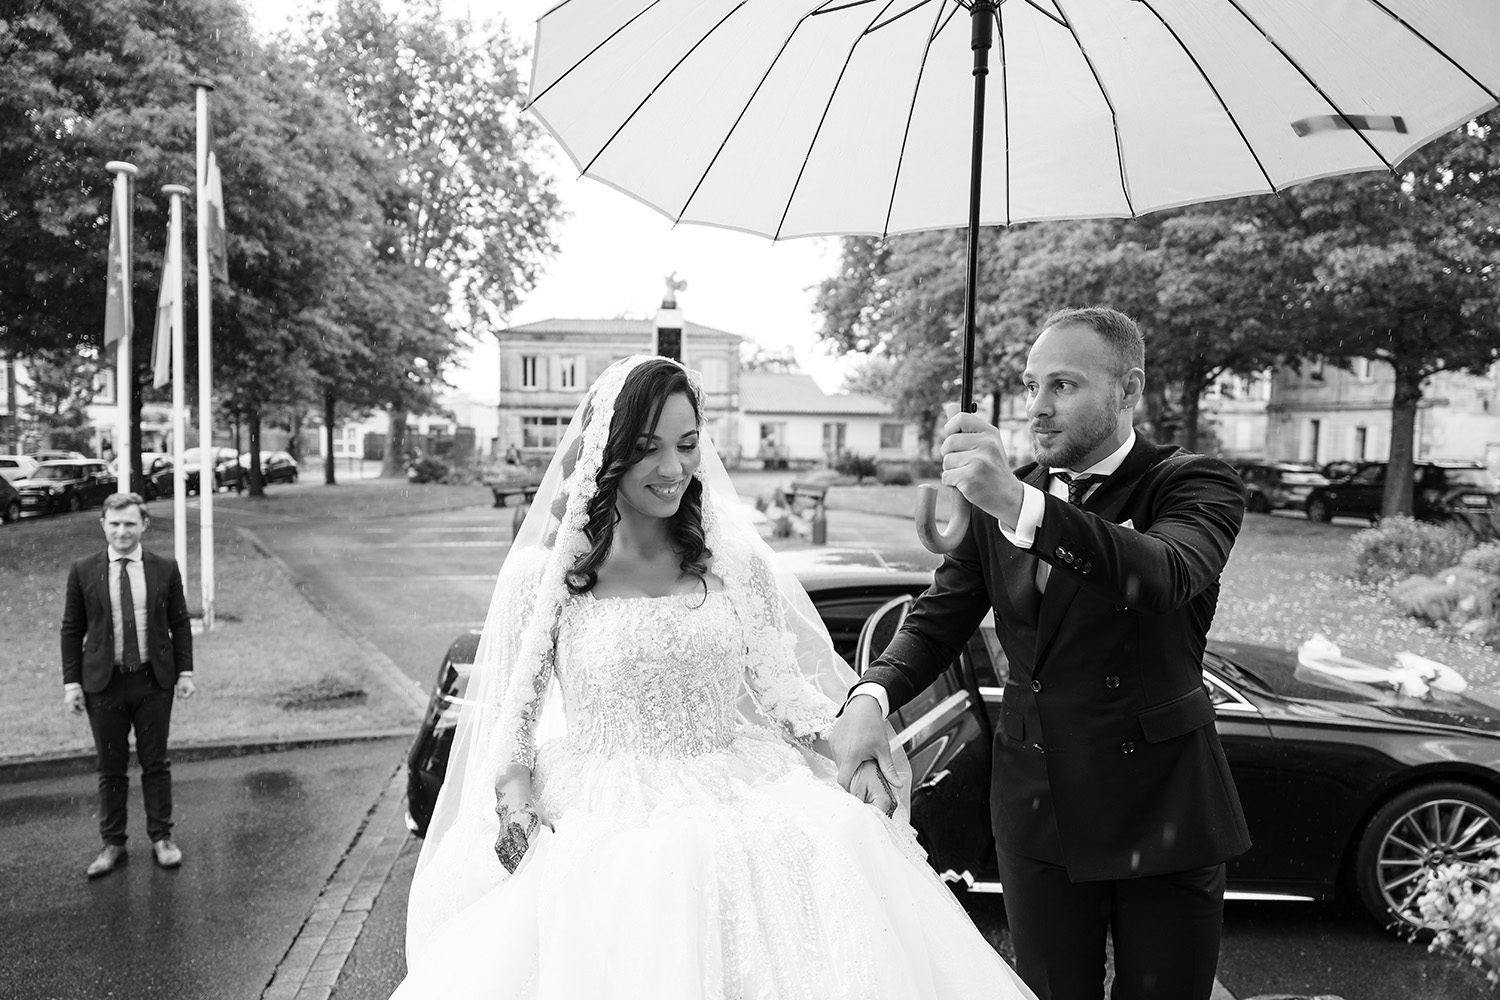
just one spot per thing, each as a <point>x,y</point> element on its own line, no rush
<point>946,736</point>
<point>1362,496</point>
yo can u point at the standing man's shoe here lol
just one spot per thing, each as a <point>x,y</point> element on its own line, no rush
<point>112,857</point>
<point>168,855</point>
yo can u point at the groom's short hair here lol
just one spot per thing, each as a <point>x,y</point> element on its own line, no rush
<point>1118,330</point>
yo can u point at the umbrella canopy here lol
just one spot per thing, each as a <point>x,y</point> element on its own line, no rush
<point>790,119</point>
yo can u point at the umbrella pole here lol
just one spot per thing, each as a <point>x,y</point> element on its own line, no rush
<point>982,39</point>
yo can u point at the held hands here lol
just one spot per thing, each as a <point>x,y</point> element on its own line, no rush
<point>520,822</point>
<point>974,461</point>
<point>860,748</point>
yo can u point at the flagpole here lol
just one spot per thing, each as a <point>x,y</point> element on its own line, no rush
<point>206,453</point>
<point>124,370</point>
<point>172,271</point>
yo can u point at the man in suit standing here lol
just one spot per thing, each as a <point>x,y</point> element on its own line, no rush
<point>127,648</point>
<point>1111,800</point>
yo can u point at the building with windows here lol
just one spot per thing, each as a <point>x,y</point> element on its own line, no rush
<point>1234,409</point>
<point>1322,413</point>
<point>545,368</point>
<point>786,417</point>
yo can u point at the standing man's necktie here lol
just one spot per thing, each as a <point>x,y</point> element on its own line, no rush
<point>1078,485</point>
<point>130,655</point>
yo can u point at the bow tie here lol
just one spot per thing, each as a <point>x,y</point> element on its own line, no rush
<point>1078,485</point>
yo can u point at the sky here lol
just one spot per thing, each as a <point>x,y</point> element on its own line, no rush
<point>615,253</point>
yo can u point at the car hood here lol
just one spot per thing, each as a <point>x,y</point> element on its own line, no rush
<point>42,484</point>
<point>1305,695</point>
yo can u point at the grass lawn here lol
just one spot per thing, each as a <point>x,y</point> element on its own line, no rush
<point>272,667</point>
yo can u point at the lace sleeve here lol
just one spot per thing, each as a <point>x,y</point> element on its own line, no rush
<point>780,690</point>
<point>524,752</point>
<point>514,697</point>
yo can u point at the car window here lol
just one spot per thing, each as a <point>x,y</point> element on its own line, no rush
<point>56,472</point>
<point>1372,476</point>
<point>1468,477</point>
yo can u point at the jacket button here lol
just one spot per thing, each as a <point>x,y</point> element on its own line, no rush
<point>1038,748</point>
<point>1036,686</point>
<point>1127,747</point>
<point>1111,682</point>
<point>1063,554</point>
<point>1086,567</point>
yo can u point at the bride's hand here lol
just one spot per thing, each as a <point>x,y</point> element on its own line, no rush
<point>520,820</point>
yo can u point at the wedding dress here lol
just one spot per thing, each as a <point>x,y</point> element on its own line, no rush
<point>695,857</point>
<point>701,850</point>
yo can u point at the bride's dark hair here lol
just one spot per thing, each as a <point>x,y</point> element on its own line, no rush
<point>637,410</point>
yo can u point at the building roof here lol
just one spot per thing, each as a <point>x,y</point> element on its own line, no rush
<point>642,329</point>
<point>783,392</point>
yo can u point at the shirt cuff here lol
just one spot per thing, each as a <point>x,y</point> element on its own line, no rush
<point>876,691</point>
<point>70,688</point>
<point>185,673</point>
<point>1033,506</point>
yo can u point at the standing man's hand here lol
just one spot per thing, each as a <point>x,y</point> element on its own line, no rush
<point>185,686</point>
<point>974,461</point>
<point>73,698</point>
<point>858,736</point>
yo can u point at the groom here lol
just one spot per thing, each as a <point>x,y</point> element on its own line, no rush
<point>1112,803</point>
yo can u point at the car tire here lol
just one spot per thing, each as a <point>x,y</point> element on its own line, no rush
<point>75,504</point>
<point>1408,835</point>
<point>1257,504</point>
<point>1317,510</point>
<point>13,512</point>
<point>293,477</point>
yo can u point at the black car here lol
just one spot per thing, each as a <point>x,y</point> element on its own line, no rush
<point>1347,788</point>
<point>1441,491</point>
<point>1278,485</point>
<point>70,484</point>
<point>228,472</point>
<point>275,466</point>
<point>10,502</point>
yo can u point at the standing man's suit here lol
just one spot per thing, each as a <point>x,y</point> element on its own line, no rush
<point>1107,766</point>
<point>123,692</point>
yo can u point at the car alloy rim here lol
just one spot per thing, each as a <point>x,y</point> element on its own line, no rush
<point>1434,834</point>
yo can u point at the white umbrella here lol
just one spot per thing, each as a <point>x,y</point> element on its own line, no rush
<point>789,118</point>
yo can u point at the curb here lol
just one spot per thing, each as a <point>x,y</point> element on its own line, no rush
<point>402,686</point>
<point>315,960</point>
<point>66,762</point>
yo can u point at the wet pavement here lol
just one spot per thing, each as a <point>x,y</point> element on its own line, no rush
<point>260,835</point>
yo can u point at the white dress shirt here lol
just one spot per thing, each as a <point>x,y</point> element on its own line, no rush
<point>132,564</point>
<point>1033,507</point>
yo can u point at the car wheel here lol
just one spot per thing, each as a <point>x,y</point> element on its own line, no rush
<point>293,477</point>
<point>1257,504</point>
<point>13,511</point>
<point>75,504</point>
<point>1413,834</point>
<point>1317,510</point>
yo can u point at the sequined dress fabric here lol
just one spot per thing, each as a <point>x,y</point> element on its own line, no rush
<point>696,857</point>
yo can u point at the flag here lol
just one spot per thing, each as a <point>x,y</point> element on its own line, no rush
<point>171,287</point>
<point>117,300</point>
<point>218,244</point>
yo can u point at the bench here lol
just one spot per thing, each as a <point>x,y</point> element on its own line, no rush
<point>504,491</point>
<point>814,493</point>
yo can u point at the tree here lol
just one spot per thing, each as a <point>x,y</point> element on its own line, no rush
<point>1405,269</point>
<point>60,386</point>
<point>442,99</point>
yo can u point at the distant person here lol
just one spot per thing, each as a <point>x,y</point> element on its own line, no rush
<point>127,649</point>
<point>512,455</point>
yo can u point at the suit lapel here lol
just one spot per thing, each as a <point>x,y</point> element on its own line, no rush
<point>1018,566</point>
<point>1107,501</point>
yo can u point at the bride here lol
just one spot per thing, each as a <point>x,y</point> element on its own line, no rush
<point>635,806</point>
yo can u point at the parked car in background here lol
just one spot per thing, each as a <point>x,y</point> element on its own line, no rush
<point>10,502</point>
<point>1341,469</point>
<point>53,455</point>
<point>1278,485</point>
<point>1441,491</point>
<point>275,466</point>
<point>228,473</point>
<point>69,484</point>
<point>13,467</point>
<point>156,468</point>
<point>1348,787</point>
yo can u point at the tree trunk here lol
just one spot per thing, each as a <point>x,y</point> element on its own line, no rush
<point>294,446</point>
<point>1398,471</point>
<point>330,407</point>
<point>393,464</point>
<point>1191,402</point>
<point>257,484</point>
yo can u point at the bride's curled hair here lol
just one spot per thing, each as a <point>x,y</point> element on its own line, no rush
<point>637,410</point>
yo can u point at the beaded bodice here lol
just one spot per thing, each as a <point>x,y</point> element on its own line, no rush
<point>657,676</point>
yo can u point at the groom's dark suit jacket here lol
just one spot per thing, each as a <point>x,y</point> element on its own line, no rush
<point>1106,760</point>
<point>88,631</point>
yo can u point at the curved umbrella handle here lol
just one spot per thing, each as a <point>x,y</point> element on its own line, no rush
<point>946,539</point>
